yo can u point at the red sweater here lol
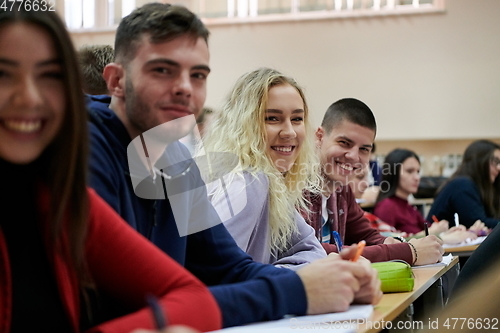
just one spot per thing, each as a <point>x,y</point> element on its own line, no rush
<point>346,217</point>
<point>400,214</point>
<point>127,266</point>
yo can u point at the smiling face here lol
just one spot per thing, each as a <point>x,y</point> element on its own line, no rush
<point>285,128</point>
<point>409,178</point>
<point>344,151</point>
<point>32,96</point>
<point>163,82</point>
<point>495,165</point>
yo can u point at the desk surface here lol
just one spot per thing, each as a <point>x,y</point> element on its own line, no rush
<point>458,249</point>
<point>461,251</point>
<point>394,304</point>
<point>422,201</point>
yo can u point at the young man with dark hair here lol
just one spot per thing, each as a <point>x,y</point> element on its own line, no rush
<point>345,140</point>
<point>159,77</point>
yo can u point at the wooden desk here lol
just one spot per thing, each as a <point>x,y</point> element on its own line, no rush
<point>422,201</point>
<point>390,307</point>
<point>393,304</point>
<point>461,251</point>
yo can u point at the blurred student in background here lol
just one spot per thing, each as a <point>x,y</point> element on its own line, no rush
<point>375,170</point>
<point>92,60</point>
<point>400,179</point>
<point>359,185</point>
<point>473,191</point>
<point>63,250</point>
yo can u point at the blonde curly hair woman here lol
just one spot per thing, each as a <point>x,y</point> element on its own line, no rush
<point>264,122</point>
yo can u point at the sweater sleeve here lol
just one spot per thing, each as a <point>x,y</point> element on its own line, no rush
<point>244,208</point>
<point>127,267</point>
<point>304,247</point>
<point>358,228</point>
<point>241,204</point>
<point>245,290</point>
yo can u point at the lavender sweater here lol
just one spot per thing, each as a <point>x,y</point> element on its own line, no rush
<point>244,209</point>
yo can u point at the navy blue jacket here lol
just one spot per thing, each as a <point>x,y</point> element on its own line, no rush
<point>461,196</point>
<point>245,290</point>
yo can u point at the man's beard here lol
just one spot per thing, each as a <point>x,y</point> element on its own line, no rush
<point>142,118</point>
<point>137,111</point>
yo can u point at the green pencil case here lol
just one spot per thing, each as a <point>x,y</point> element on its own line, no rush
<point>396,276</point>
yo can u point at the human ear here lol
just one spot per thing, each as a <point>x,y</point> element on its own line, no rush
<point>318,137</point>
<point>114,75</point>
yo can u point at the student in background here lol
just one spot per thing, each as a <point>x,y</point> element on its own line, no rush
<point>159,76</point>
<point>92,60</point>
<point>454,235</point>
<point>473,191</point>
<point>60,243</point>
<point>265,123</point>
<point>359,184</point>
<point>344,142</point>
<point>375,169</point>
<point>401,177</point>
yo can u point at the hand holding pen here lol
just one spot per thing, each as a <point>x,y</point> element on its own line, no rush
<point>369,292</point>
<point>354,252</point>
<point>339,245</point>
<point>437,226</point>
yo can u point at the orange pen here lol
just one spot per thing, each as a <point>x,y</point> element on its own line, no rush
<point>434,218</point>
<point>361,246</point>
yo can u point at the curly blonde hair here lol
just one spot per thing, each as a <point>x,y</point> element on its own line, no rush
<point>239,128</point>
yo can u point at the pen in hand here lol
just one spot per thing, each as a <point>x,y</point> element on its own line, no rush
<point>158,316</point>
<point>426,228</point>
<point>337,240</point>
<point>361,246</point>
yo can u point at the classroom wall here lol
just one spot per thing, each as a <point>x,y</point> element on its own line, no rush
<point>427,77</point>
<point>431,76</point>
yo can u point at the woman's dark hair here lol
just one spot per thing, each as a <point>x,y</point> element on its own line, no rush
<point>476,166</point>
<point>391,170</point>
<point>64,162</point>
